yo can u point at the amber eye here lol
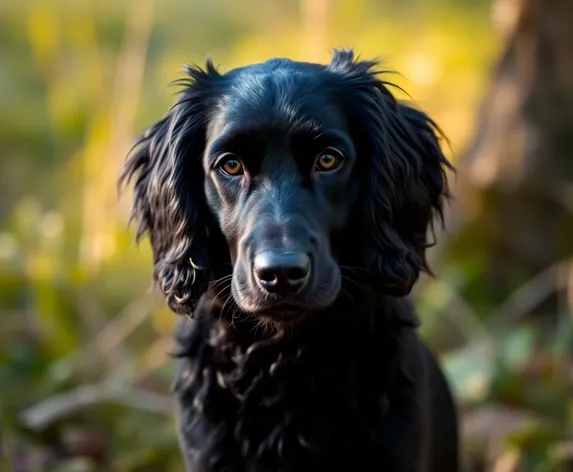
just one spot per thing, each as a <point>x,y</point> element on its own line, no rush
<point>328,160</point>
<point>232,166</point>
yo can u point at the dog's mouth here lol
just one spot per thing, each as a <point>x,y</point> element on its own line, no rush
<point>280,308</point>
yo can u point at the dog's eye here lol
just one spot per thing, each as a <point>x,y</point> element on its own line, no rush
<point>328,160</point>
<point>231,165</point>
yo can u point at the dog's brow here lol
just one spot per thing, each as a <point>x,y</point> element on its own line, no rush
<point>216,147</point>
<point>333,137</point>
<point>224,140</point>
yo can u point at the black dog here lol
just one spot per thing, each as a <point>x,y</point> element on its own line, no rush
<point>288,206</point>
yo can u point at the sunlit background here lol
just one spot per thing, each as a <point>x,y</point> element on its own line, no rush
<point>84,366</point>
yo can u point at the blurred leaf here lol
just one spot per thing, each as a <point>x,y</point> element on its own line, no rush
<point>516,347</point>
<point>469,371</point>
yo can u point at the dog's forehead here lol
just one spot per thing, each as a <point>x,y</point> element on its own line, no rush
<point>279,92</point>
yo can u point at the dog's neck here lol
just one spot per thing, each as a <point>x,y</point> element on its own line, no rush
<point>236,382</point>
<point>353,318</point>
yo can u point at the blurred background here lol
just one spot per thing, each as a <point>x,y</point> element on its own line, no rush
<point>84,366</point>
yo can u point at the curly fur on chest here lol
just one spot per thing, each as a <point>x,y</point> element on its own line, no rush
<point>309,397</point>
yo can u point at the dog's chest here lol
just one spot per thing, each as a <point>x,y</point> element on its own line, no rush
<point>280,410</point>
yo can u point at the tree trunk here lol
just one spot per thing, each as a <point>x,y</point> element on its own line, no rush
<point>515,181</point>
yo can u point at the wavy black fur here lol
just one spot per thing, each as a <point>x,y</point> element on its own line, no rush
<point>350,387</point>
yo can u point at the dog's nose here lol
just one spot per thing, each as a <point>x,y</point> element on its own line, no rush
<point>282,272</point>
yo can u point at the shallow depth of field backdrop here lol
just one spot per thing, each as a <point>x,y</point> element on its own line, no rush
<point>84,371</point>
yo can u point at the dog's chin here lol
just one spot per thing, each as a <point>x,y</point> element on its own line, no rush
<point>283,315</point>
<point>279,314</point>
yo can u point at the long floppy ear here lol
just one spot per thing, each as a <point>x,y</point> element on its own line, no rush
<point>169,205</point>
<point>404,175</point>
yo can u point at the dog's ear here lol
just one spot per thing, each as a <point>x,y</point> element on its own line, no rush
<point>169,204</point>
<point>404,175</point>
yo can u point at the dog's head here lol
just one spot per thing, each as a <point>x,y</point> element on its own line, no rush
<point>281,175</point>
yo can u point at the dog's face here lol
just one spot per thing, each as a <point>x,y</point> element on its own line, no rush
<point>284,174</point>
<point>280,180</point>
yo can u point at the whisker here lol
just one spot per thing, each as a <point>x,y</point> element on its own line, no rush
<point>355,269</point>
<point>348,295</point>
<point>236,310</point>
<point>228,298</point>
<point>350,279</point>
<point>214,283</point>
<point>231,321</point>
<point>225,287</point>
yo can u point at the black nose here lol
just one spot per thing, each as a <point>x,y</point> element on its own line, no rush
<point>282,272</point>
